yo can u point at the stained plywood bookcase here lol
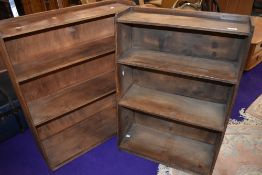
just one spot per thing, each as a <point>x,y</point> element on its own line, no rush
<point>62,65</point>
<point>178,74</point>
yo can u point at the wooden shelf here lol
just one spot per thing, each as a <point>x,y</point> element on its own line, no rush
<point>80,138</point>
<point>73,118</point>
<point>63,58</point>
<point>71,98</point>
<point>179,108</point>
<point>54,18</point>
<point>199,67</point>
<point>187,20</point>
<point>162,146</point>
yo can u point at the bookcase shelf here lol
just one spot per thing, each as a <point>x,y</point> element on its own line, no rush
<point>199,67</point>
<point>63,58</point>
<point>69,99</point>
<point>175,107</point>
<point>222,23</point>
<point>178,74</point>
<point>80,138</point>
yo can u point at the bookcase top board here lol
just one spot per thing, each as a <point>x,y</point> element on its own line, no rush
<point>60,17</point>
<point>202,21</point>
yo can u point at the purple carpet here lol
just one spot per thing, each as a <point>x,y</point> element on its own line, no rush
<point>20,156</point>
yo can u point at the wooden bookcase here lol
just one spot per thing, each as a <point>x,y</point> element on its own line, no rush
<point>177,76</point>
<point>62,65</point>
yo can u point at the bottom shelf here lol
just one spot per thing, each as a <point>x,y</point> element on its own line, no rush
<point>166,147</point>
<point>74,141</point>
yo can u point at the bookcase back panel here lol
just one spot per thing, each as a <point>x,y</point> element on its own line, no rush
<point>43,44</point>
<point>51,83</point>
<point>189,147</point>
<point>187,86</point>
<point>189,43</point>
<point>176,84</point>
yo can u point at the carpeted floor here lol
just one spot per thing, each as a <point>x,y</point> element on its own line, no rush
<point>19,155</point>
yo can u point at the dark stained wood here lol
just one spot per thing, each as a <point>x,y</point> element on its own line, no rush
<point>168,147</point>
<point>81,137</point>
<point>198,67</point>
<point>60,124</point>
<point>197,44</point>
<point>203,21</point>
<point>176,83</point>
<point>180,108</point>
<point>63,58</point>
<point>71,98</point>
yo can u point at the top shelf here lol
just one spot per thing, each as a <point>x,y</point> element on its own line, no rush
<point>40,21</point>
<point>65,57</point>
<point>203,21</point>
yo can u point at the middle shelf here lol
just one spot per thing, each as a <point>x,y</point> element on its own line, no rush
<point>49,107</point>
<point>211,69</point>
<point>193,111</point>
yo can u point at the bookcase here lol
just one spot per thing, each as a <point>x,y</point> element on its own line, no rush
<point>177,76</point>
<point>62,65</point>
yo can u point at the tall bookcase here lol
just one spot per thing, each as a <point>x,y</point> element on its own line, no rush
<point>177,76</point>
<point>62,65</point>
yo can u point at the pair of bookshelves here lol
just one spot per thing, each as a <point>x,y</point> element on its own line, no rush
<point>62,65</point>
<point>178,74</point>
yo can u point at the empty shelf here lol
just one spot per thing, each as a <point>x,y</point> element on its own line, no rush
<point>162,146</point>
<point>63,58</point>
<point>71,98</point>
<point>185,65</point>
<point>232,24</point>
<point>80,138</point>
<point>179,108</point>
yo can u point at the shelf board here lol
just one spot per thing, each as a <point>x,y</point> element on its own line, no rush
<point>47,108</point>
<point>63,58</point>
<point>223,23</point>
<point>199,67</point>
<point>54,18</point>
<point>168,148</point>
<point>179,108</point>
<point>59,125</point>
<point>80,138</point>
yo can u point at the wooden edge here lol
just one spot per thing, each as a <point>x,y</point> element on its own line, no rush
<point>5,56</point>
<point>57,11</point>
<point>130,9</point>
